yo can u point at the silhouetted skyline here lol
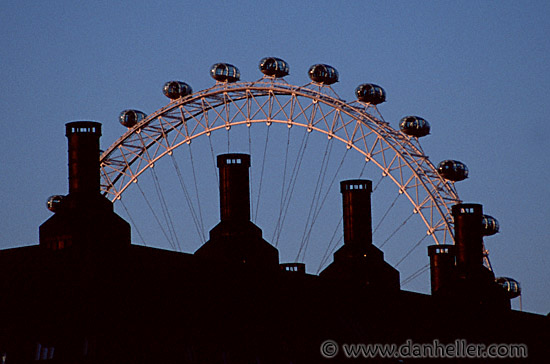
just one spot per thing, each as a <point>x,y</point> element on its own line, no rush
<point>476,72</point>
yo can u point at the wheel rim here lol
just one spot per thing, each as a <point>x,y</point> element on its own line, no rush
<point>316,108</point>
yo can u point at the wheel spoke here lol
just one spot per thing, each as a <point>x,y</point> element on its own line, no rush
<point>313,107</point>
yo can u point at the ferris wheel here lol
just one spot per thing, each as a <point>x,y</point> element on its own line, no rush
<point>235,115</point>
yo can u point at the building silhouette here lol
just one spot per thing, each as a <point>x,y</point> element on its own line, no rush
<point>85,294</point>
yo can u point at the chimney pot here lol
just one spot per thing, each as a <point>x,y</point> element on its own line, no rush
<point>356,203</point>
<point>468,236</point>
<point>442,265</point>
<point>83,138</point>
<point>234,187</point>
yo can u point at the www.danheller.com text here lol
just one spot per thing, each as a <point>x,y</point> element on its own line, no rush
<point>460,348</point>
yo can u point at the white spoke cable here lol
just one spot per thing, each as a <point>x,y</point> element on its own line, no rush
<point>262,173</point>
<point>155,216</point>
<point>315,198</point>
<point>165,211</point>
<point>386,214</point>
<point>363,170</point>
<point>213,159</point>
<point>134,225</point>
<point>283,184</point>
<point>378,183</point>
<point>228,141</point>
<point>327,193</point>
<point>397,229</point>
<point>188,199</point>
<point>415,275</point>
<point>251,184</point>
<point>292,183</point>
<point>329,189</point>
<point>411,250</point>
<point>331,246</point>
<point>201,221</point>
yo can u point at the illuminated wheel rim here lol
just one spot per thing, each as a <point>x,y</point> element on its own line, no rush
<point>358,126</point>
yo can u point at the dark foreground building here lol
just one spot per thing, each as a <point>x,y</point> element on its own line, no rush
<point>86,295</point>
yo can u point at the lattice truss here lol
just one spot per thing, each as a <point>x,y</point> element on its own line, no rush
<point>358,125</point>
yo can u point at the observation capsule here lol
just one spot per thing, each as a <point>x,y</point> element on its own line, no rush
<point>414,126</point>
<point>276,67</point>
<point>370,93</point>
<point>323,73</point>
<point>54,202</point>
<point>176,89</point>
<point>453,170</point>
<point>129,118</point>
<point>225,72</point>
<point>490,225</point>
<point>511,286</point>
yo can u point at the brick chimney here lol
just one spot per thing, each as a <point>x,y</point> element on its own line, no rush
<point>358,261</point>
<point>84,218</point>
<point>236,239</point>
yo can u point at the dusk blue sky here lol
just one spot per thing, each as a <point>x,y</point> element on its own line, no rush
<point>478,71</point>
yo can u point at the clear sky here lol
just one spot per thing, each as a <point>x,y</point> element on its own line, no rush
<point>479,72</point>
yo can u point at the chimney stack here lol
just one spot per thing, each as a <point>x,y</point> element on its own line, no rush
<point>468,236</point>
<point>236,239</point>
<point>358,262</point>
<point>457,272</point>
<point>442,266</point>
<point>84,218</point>
<point>356,203</point>
<point>234,187</point>
<point>83,138</point>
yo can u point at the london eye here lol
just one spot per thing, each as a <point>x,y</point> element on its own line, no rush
<point>303,140</point>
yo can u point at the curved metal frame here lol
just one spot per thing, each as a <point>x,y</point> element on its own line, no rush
<point>271,100</point>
